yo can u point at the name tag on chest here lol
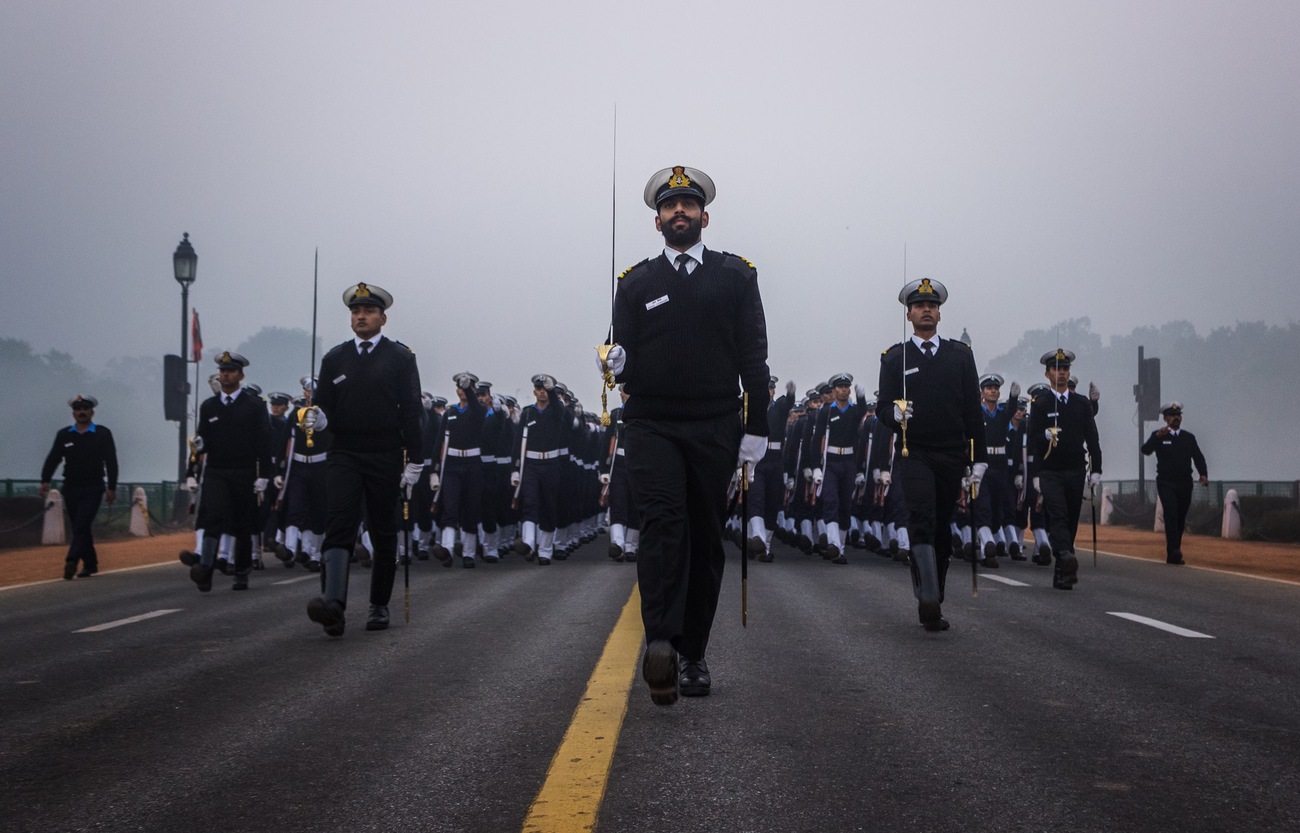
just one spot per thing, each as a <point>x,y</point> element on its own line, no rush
<point>660,301</point>
<point>213,419</point>
<point>910,371</point>
<point>338,379</point>
<point>70,445</point>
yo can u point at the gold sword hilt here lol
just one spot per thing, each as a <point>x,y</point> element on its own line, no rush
<point>302,423</point>
<point>602,351</point>
<point>902,405</point>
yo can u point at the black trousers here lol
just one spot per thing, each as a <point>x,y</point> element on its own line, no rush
<point>931,481</point>
<point>461,495</point>
<point>995,506</point>
<point>306,505</point>
<point>837,489</point>
<point>539,492</point>
<point>680,472</point>
<point>622,509</point>
<point>1062,499</point>
<point>354,479</point>
<point>82,504</point>
<point>1175,499</point>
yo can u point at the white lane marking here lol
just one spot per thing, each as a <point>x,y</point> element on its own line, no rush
<point>130,620</point>
<point>1009,581</point>
<point>1156,623</point>
<point>1237,573</point>
<point>296,580</point>
<point>100,573</point>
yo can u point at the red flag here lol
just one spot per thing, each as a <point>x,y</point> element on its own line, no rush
<point>197,337</point>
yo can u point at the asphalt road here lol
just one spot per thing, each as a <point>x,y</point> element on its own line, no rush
<point>832,711</point>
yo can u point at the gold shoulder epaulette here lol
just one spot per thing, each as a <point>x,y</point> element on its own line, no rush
<point>630,268</point>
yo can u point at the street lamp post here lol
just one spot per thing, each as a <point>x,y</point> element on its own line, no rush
<point>184,264</point>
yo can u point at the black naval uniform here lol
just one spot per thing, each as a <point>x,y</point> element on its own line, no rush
<point>87,457</point>
<point>944,390</point>
<point>835,435</point>
<point>373,404</point>
<point>995,504</point>
<point>542,458</point>
<point>461,494</point>
<point>688,338</point>
<point>1176,452</point>
<point>237,450</point>
<point>768,488</point>
<point>1062,469</point>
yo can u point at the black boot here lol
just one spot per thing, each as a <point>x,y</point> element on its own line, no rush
<point>327,609</point>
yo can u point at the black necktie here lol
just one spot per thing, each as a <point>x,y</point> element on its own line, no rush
<point>682,260</point>
<point>365,348</point>
<point>928,347</point>
<point>228,399</point>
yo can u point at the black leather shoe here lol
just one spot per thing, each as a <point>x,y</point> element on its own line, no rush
<point>765,557</point>
<point>283,553</point>
<point>1015,552</point>
<point>940,624</point>
<point>301,558</point>
<point>377,619</point>
<point>659,670</point>
<point>328,614</point>
<point>836,556</point>
<point>223,567</point>
<point>313,566</point>
<point>241,583</point>
<point>87,572</point>
<point>202,577</point>
<point>629,557</point>
<point>467,563</point>
<point>930,615</point>
<point>69,570</point>
<point>615,552</point>
<point>189,559</point>
<point>1068,566</point>
<point>421,555</point>
<point>440,553</point>
<point>693,680</point>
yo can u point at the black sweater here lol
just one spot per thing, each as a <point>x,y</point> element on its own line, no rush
<point>1078,434</point>
<point>945,395</point>
<point>236,436</point>
<point>1175,455</point>
<point>86,458</point>
<point>689,339</point>
<point>373,401</point>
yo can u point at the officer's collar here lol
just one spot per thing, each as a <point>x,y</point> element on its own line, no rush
<point>89,430</point>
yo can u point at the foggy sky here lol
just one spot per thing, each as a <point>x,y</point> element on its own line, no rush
<point>1132,162</point>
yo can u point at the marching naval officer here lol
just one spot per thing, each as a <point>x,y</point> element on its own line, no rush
<point>88,456</point>
<point>1061,429</point>
<point>1176,452</point>
<point>689,323</point>
<point>369,397</point>
<point>941,416</point>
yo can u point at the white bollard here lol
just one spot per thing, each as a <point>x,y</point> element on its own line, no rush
<point>1231,516</point>
<point>1107,505</point>
<point>1160,516</point>
<point>53,533</point>
<point>139,513</point>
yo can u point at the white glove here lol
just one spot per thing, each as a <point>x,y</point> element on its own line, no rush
<point>901,415</point>
<point>1036,488</point>
<point>1052,434</point>
<point>1093,393</point>
<point>977,471</point>
<point>817,477</point>
<point>615,362</point>
<point>604,480</point>
<point>807,474</point>
<point>279,482</point>
<point>789,482</point>
<point>191,484</point>
<point>859,391</point>
<point>1094,479</point>
<point>886,478</point>
<point>752,449</point>
<point>433,481</point>
<point>314,419</point>
<point>789,388</point>
<point>875,475</point>
<point>409,475</point>
<point>259,485</point>
<point>859,479</point>
<point>196,443</point>
<point>514,478</point>
<point>1015,390</point>
<point>1020,481</point>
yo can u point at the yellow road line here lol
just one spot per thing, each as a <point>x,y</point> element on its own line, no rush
<point>575,783</point>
